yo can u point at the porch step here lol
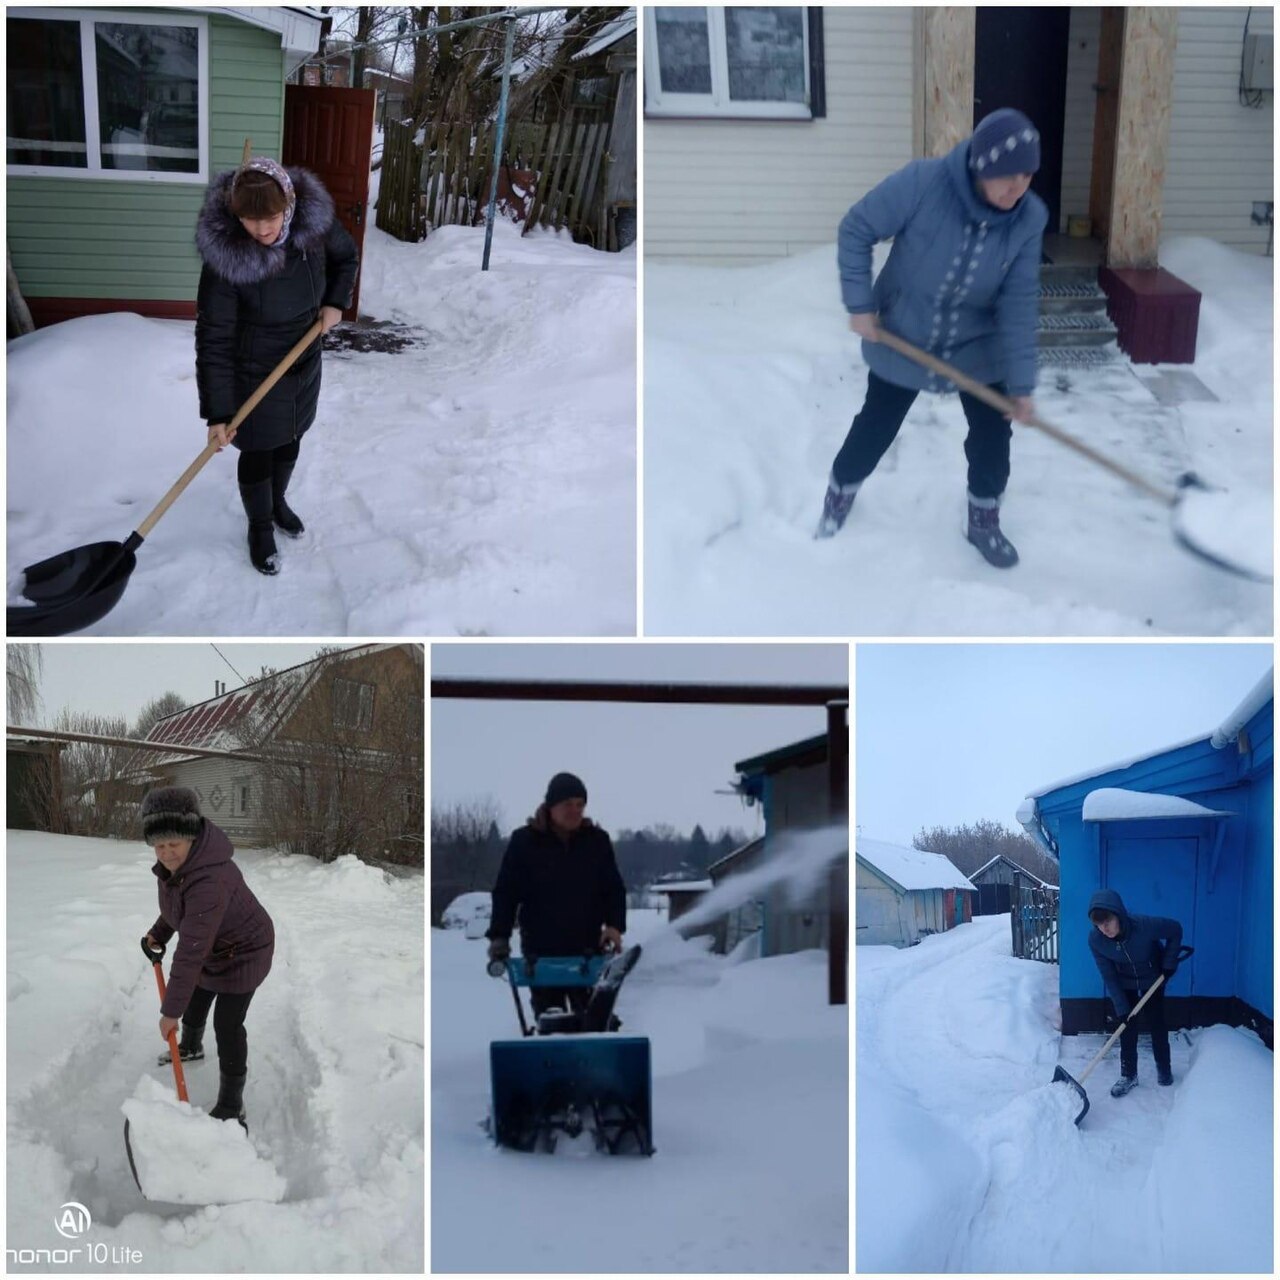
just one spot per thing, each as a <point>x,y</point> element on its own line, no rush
<point>1078,358</point>
<point>1073,311</point>
<point>1074,329</point>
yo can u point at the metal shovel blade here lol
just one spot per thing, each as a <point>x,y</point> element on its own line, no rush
<point>72,590</point>
<point>1063,1077</point>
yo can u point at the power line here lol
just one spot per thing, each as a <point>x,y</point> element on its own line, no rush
<point>227,660</point>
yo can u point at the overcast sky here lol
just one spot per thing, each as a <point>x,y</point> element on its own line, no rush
<point>119,679</point>
<point>641,764</point>
<point>949,734</point>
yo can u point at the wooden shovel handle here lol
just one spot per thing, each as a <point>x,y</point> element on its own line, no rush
<point>1005,406</point>
<point>1119,1031</point>
<point>179,1078</point>
<point>244,411</point>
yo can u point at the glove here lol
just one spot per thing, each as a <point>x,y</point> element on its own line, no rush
<point>153,952</point>
<point>500,949</point>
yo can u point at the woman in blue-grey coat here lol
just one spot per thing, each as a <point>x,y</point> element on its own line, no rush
<point>962,282</point>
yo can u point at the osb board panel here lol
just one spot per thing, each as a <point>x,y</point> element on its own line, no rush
<point>949,35</point>
<point>1142,136</point>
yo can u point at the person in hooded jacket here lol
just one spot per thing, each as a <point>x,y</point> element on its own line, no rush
<point>225,937</point>
<point>1131,953</point>
<point>560,875</point>
<point>961,282</point>
<point>275,259</point>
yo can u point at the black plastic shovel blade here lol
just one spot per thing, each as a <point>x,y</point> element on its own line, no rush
<point>71,591</point>
<point>1063,1077</point>
<point>133,1168</point>
<point>1228,531</point>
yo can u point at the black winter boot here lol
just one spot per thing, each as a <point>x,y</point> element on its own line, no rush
<point>836,507</point>
<point>1164,1075</point>
<point>230,1104</point>
<point>262,538</point>
<point>285,517</point>
<point>984,533</point>
<point>190,1047</point>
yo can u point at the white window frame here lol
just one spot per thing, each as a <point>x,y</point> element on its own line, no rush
<point>241,793</point>
<point>89,71</point>
<point>358,688</point>
<point>717,103</point>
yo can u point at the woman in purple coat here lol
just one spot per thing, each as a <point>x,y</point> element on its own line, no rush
<point>225,937</point>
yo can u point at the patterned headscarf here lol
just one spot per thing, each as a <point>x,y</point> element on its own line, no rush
<point>274,169</point>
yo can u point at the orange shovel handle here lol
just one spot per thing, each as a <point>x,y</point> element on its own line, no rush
<point>178,1078</point>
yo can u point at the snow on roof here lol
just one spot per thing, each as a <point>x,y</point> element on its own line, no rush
<point>1257,698</point>
<point>912,868</point>
<point>609,34</point>
<point>1115,804</point>
<point>683,886</point>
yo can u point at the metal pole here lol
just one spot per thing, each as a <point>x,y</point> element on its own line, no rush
<point>758,695</point>
<point>838,876</point>
<point>507,49</point>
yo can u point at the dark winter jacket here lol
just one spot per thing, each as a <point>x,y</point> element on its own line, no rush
<point>961,281</point>
<point>225,937</point>
<point>565,892</point>
<point>1131,962</point>
<point>256,301</point>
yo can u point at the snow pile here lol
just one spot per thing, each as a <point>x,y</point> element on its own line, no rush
<point>181,1156</point>
<point>1116,804</point>
<point>1211,1179</point>
<point>751,381</point>
<point>334,1093</point>
<point>1232,527</point>
<point>481,480</point>
<point>750,1110</point>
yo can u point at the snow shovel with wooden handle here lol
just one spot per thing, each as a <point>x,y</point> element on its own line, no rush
<point>1226,532</point>
<point>1065,1077</point>
<point>179,1079</point>
<point>71,591</point>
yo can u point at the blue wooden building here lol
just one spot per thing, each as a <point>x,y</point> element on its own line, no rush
<point>1185,832</point>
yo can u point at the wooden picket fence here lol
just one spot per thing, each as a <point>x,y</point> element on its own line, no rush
<point>554,176</point>
<point>1034,919</point>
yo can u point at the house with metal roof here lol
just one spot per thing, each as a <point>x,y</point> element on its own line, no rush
<point>902,894</point>
<point>1186,832</point>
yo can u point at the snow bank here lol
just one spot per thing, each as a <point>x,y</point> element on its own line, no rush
<point>182,1156</point>
<point>1212,1177</point>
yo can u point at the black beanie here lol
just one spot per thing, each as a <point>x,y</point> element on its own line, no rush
<point>565,786</point>
<point>170,813</point>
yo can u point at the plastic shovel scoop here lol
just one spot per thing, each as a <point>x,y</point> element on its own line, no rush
<point>1229,531</point>
<point>74,589</point>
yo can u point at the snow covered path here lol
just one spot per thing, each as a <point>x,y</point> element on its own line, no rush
<point>750,1104</point>
<point>334,1097</point>
<point>751,381</point>
<point>480,481</point>
<point>969,1160</point>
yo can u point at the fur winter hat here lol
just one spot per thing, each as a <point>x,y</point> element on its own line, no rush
<point>1004,143</point>
<point>170,813</point>
<point>565,786</point>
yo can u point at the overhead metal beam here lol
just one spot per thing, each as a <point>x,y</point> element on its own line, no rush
<point>651,691</point>
<point>138,744</point>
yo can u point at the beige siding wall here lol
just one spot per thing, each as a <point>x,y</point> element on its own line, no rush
<point>215,782</point>
<point>1220,153</point>
<point>742,191</point>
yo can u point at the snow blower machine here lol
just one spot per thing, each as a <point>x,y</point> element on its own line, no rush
<point>571,1083</point>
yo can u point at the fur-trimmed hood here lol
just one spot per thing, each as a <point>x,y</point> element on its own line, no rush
<point>235,255</point>
<point>541,821</point>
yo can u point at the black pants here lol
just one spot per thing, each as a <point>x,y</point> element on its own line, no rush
<point>874,429</point>
<point>258,464</point>
<point>544,998</point>
<point>1151,1019</point>
<point>228,1025</point>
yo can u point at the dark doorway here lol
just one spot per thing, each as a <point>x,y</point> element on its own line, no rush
<point>994,899</point>
<point>1020,60</point>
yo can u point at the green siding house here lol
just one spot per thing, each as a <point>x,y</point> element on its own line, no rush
<point>117,120</point>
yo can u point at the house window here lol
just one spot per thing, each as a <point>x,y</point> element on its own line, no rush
<point>730,61</point>
<point>240,797</point>
<point>94,93</point>
<point>352,705</point>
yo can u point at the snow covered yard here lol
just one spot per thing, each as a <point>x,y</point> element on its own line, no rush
<point>335,1090</point>
<point>751,381</point>
<point>968,1158</point>
<point>480,481</point>
<point>750,1107</point>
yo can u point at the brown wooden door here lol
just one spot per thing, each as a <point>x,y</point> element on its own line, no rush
<point>1105,118</point>
<point>330,132</point>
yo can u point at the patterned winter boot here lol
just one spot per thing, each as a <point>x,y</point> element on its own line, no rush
<point>984,533</point>
<point>836,507</point>
<point>1123,1085</point>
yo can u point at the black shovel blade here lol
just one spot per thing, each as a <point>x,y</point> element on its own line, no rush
<point>1230,532</point>
<point>1063,1077</point>
<point>71,591</point>
<point>133,1168</point>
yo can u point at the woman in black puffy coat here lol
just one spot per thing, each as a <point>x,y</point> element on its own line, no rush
<point>275,259</point>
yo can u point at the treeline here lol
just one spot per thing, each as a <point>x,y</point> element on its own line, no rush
<point>468,840</point>
<point>974,845</point>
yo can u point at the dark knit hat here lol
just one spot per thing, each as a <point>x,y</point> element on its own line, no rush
<point>1004,143</point>
<point>565,786</point>
<point>170,813</point>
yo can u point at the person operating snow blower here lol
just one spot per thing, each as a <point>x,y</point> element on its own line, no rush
<point>961,282</point>
<point>225,937</point>
<point>1131,952</point>
<point>560,874</point>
